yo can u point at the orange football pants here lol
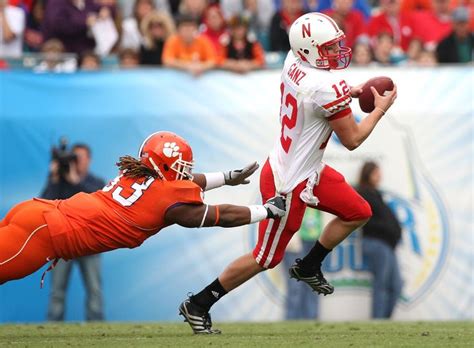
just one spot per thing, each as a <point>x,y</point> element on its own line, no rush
<point>25,242</point>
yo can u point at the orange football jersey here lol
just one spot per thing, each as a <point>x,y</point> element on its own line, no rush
<point>122,215</point>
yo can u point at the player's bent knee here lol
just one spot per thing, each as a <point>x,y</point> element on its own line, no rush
<point>265,264</point>
<point>359,223</point>
<point>360,214</point>
<point>365,212</point>
<point>274,262</point>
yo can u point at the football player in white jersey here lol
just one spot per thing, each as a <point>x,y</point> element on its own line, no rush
<point>314,103</point>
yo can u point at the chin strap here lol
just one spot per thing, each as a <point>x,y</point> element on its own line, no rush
<point>51,266</point>
<point>157,170</point>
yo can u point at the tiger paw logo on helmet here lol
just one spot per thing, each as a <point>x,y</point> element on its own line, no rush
<point>171,150</point>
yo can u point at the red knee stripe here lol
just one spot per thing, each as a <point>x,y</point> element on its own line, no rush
<point>282,231</point>
<point>265,242</point>
<point>269,252</point>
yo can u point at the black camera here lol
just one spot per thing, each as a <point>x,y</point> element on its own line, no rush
<point>63,156</point>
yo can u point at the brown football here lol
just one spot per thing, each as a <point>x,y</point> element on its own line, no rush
<point>366,98</point>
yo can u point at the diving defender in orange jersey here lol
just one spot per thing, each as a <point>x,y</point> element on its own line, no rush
<point>152,192</point>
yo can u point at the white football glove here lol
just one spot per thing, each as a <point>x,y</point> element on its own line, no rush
<point>239,176</point>
<point>276,207</point>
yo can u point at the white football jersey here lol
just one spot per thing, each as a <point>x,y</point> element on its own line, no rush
<point>310,98</point>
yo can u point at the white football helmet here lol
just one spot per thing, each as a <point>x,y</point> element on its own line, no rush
<point>311,34</point>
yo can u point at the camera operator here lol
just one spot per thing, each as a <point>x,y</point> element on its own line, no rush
<point>69,174</point>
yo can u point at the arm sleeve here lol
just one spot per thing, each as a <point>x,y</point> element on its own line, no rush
<point>332,104</point>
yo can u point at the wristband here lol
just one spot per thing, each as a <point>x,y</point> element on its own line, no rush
<point>257,213</point>
<point>217,216</point>
<point>214,180</point>
<point>383,111</point>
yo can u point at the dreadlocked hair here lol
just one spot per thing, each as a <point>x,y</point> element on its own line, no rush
<point>134,169</point>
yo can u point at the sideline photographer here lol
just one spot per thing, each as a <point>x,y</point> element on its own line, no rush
<point>69,174</point>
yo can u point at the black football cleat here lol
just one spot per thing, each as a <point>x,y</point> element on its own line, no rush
<point>317,282</point>
<point>199,319</point>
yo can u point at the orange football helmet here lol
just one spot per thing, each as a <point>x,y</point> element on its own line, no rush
<point>169,155</point>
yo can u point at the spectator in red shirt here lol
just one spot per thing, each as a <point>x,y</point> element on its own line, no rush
<point>215,29</point>
<point>281,22</point>
<point>399,25</point>
<point>433,25</point>
<point>349,20</point>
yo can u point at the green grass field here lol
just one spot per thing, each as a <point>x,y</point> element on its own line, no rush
<point>280,334</point>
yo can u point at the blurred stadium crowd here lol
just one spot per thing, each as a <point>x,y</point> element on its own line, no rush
<point>235,35</point>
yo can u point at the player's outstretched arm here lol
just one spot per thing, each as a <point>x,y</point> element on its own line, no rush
<point>352,134</point>
<point>209,181</point>
<point>225,215</point>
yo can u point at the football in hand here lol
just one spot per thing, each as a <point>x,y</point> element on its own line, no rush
<point>366,98</point>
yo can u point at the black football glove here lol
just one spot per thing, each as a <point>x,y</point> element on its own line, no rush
<point>276,207</point>
<point>239,176</point>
